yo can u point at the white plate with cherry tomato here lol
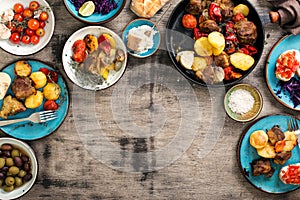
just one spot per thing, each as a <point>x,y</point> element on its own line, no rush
<point>31,26</point>
<point>75,55</point>
<point>32,131</point>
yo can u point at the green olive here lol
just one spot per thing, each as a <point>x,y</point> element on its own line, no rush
<point>9,162</point>
<point>22,173</point>
<point>7,188</point>
<point>18,181</point>
<point>9,181</point>
<point>14,170</point>
<point>15,152</point>
<point>2,163</point>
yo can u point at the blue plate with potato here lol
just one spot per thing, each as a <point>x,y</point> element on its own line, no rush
<point>28,130</point>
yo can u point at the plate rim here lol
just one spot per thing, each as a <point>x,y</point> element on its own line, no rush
<point>200,82</point>
<point>94,27</point>
<point>95,23</point>
<point>29,148</point>
<point>47,41</point>
<point>158,31</point>
<point>238,149</point>
<point>266,73</point>
<point>68,95</point>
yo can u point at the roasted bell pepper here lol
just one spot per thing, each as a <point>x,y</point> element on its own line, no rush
<point>238,17</point>
<point>215,12</point>
<point>198,34</point>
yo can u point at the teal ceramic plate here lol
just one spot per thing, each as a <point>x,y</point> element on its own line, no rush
<point>29,130</point>
<point>95,18</point>
<point>156,39</point>
<point>286,43</point>
<point>246,154</point>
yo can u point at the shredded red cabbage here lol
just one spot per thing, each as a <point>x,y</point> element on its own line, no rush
<point>293,88</point>
<point>102,6</point>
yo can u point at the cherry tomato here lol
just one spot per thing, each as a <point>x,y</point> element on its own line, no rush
<point>25,39</point>
<point>15,38</point>
<point>27,13</point>
<point>18,17</point>
<point>33,24</point>
<point>42,24</point>
<point>18,8</point>
<point>40,32</point>
<point>19,29</point>
<point>189,21</point>
<point>34,39</point>
<point>29,31</point>
<point>43,16</point>
<point>12,26</point>
<point>50,105</point>
<point>53,77</point>
<point>45,70</point>
<point>34,5</point>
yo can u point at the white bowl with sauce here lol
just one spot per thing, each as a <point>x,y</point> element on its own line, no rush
<point>243,102</point>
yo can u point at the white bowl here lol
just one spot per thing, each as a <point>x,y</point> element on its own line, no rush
<point>20,191</point>
<point>28,49</point>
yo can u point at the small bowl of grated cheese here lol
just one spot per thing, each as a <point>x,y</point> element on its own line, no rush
<point>243,102</point>
<point>141,37</point>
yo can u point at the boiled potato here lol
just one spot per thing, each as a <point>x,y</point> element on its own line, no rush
<point>22,68</point>
<point>203,47</point>
<point>34,100</point>
<point>216,39</point>
<point>199,64</point>
<point>52,91</point>
<point>267,151</point>
<point>290,135</point>
<point>39,79</point>
<point>241,8</point>
<point>218,51</point>
<point>91,42</point>
<point>186,59</point>
<point>241,61</point>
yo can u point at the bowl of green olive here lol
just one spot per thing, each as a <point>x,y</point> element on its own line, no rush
<point>18,168</point>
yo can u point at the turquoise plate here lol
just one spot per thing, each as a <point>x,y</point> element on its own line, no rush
<point>286,43</point>
<point>32,131</point>
<point>156,38</point>
<point>95,18</point>
<point>247,153</point>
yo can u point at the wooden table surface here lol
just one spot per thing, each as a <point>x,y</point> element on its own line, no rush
<point>153,135</point>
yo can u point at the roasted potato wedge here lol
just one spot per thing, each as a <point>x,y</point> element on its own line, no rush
<point>199,64</point>
<point>241,61</point>
<point>267,151</point>
<point>241,8</point>
<point>22,68</point>
<point>39,79</point>
<point>202,47</point>
<point>290,136</point>
<point>52,91</point>
<point>34,100</point>
<point>218,51</point>
<point>186,59</point>
<point>91,42</point>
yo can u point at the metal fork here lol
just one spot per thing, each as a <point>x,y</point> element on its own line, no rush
<point>37,117</point>
<point>294,126</point>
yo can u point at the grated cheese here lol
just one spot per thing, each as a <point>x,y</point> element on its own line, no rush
<point>241,101</point>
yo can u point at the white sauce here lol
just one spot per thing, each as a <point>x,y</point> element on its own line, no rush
<point>241,101</point>
<point>145,33</point>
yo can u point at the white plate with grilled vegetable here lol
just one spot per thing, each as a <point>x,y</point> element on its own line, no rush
<point>94,57</point>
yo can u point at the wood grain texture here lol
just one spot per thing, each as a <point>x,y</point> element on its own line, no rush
<point>70,162</point>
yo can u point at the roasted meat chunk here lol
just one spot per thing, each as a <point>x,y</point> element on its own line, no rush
<point>11,106</point>
<point>262,166</point>
<point>282,157</point>
<point>22,87</point>
<point>275,134</point>
<point>196,6</point>
<point>209,26</point>
<point>222,60</point>
<point>246,31</point>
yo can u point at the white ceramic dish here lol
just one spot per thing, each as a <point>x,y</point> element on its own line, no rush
<point>20,191</point>
<point>22,49</point>
<point>83,81</point>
